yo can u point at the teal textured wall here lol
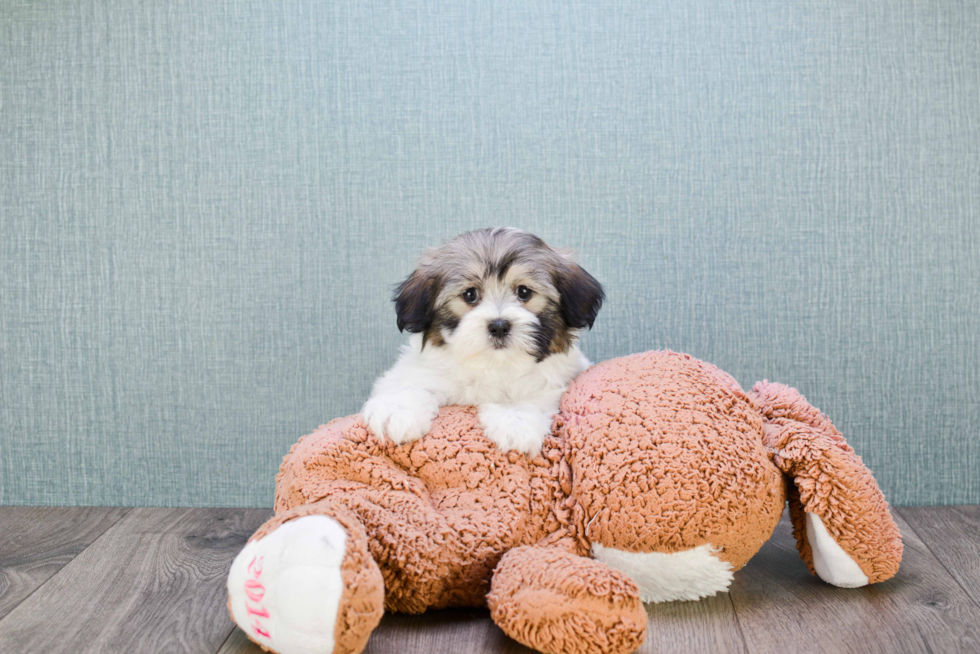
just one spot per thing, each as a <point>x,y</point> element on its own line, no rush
<point>204,205</point>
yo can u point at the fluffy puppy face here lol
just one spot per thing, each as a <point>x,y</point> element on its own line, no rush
<point>496,296</point>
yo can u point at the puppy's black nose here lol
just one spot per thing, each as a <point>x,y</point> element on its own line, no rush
<point>499,327</point>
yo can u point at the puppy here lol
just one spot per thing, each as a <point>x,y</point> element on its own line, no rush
<point>494,316</point>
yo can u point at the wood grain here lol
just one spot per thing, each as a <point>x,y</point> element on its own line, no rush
<point>448,631</point>
<point>707,626</point>
<point>782,608</point>
<point>238,643</point>
<point>155,582</point>
<point>36,542</point>
<point>466,631</point>
<point>953,535</point>
<point>683,627</point>
<point>680,627</point>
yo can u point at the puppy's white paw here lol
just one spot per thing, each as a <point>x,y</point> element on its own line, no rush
<point>285,588</point>
<point>515,428</point>
<point>401,417</point>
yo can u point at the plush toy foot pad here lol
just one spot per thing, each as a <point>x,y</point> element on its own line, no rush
<point>831,562</point>
<point>285,588</point>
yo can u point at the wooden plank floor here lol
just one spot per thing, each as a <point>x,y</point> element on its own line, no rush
<point>152,580</point>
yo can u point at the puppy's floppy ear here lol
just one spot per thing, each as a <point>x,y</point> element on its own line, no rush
<point>581,296</point>
<point>415,301</point>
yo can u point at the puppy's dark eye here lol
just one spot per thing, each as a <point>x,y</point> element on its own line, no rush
<point>524,293</point>
<point>471,295</point>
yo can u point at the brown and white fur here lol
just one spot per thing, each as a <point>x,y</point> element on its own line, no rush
<point>494,316</point>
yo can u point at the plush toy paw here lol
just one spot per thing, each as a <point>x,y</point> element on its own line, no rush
<point>559,603</point>
<point>285,589</point>
<point>843,528</point>
<point>518,428</point>
<point>401,417</point>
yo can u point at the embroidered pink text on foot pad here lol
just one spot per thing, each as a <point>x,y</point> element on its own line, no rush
<point>255,591</point>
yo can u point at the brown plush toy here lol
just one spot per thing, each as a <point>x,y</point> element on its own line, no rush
<point>662,478</point>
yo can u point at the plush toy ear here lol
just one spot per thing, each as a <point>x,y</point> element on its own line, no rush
<point>414,301</point>
<point>581,296</point>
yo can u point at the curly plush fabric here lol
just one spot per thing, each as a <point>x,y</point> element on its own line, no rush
<point>830,481</point>
<point>362,602</point>
<point>654,457</point>
<point>560,603</point>
<point>440,512</point>
<point>672,439</point>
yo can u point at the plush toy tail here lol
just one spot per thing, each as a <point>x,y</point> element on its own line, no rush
<point>833,497</point>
